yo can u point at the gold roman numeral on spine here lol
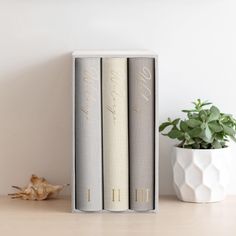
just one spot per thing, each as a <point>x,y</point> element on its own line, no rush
<point>88,195</point>
<point>119,195</point>
<point>115,195</point>
<point>147,195</point>
<point>142,195</point>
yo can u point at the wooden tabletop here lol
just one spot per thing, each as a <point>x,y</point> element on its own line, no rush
<point>53,217</point>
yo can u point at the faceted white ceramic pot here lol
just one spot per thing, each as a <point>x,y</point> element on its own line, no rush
<point>200,175</point>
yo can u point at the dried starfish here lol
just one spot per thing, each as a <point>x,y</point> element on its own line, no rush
<point>38,189</point>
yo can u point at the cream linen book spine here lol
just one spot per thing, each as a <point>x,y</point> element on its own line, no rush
<point>88,138</point>
<point>141,133</point>
<point>115,133</point>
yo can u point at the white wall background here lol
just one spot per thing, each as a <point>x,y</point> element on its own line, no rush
<point>195,40</point>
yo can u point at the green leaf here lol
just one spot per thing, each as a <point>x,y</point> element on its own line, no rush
<point>216,144</point>
<point>233,138</point>
<point>205,103</point>
<point>196,146</point>
<point>198,140</point>
<point>203,126</point>
<point>187,111</point>
<point>203,115</point>
<point>228,130</point>
<point>195,132</point>
<point>215,110</point>
<point>215,127</point>
<point>183,126</point>
<point>193,123</point>
<point>214,115</point>
<point>219,136</point>
<point>224,119</point>
<point>189,142</point>
<point>163,126</point>
<point>187,136</point>
<point>192,115</point>
<point>204,145</point>
<point>208,133</point>
<point>176,121</point>
<point>175,134</point>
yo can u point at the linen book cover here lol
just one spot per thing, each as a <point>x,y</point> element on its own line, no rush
<point>141,133</point>
<point>88,134</point>
<point>115,133</point>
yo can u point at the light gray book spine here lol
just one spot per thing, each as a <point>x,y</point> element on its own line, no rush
<point>88,134</point>
<point>141,132</point>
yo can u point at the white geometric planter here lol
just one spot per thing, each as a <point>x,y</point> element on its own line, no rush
<point>200,175</point>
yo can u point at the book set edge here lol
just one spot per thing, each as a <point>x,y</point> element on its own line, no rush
<point>155,158</point>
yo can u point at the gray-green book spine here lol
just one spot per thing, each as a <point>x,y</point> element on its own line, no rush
<point>141,132</point>
<point>88,134</point>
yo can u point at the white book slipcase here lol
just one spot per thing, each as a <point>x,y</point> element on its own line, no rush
<point>118,54</point>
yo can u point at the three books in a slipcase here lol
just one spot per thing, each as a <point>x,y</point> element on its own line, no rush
<point>114,137</point>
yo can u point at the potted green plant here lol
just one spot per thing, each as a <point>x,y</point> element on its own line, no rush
<point>200,169</point>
